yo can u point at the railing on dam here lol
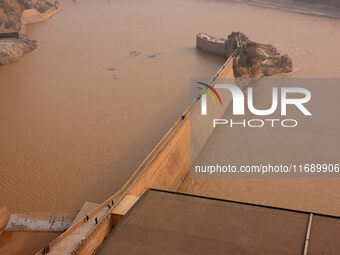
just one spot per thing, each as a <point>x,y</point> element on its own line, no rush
<point>164,168</point>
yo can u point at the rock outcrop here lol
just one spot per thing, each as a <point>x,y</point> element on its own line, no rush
<point>41,5</point>
<point>251,59</point>
<point>235,40</point>
<point>10,15</point>
<point>254,59</point>
<point>11,49</point>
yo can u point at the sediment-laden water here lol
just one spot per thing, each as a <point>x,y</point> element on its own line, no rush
<point>79,114</point>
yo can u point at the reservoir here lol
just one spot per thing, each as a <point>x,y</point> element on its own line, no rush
<point>80,113</point>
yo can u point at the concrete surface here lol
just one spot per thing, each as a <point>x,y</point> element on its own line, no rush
<point>42,221</point>
<point>85,209</point>
<point>170,223</point>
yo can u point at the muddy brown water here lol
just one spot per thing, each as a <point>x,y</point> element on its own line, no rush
<point>79,114</point>
<point>24,242</point>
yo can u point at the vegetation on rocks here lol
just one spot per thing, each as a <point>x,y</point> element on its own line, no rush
<point>254,59</point>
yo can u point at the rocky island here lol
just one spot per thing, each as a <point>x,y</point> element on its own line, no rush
<point>251,59</point>
<point>14,15</point>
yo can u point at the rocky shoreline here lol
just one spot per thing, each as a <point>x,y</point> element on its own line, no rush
<point>255,60</point>
<point>250,59</point>
<point>12,49</point>
<point>14,15</point>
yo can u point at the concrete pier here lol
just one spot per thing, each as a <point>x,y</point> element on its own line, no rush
<point>210,44</point>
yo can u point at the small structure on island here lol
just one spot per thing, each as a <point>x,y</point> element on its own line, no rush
<point>251,59</point>
<point>9,35</point>
<point>210,44</point>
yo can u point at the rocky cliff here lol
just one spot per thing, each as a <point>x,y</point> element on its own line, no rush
<point>11,12</point>
<point>254,59</point>
<point>12,49</point>
<point>10,21</point>
<point>10,15</point>
<point>234,41</point>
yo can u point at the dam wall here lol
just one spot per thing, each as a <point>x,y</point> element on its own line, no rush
<point>169,168</point>
<point>201,126</point>
<point>165,168</point>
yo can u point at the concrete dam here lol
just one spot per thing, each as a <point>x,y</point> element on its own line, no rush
<point>150,206</point>
<point>165,168</point>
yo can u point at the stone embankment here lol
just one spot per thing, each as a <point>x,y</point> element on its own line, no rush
<point>256,60</point>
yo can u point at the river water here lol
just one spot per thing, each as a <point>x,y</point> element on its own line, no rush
<point>80,113</point>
